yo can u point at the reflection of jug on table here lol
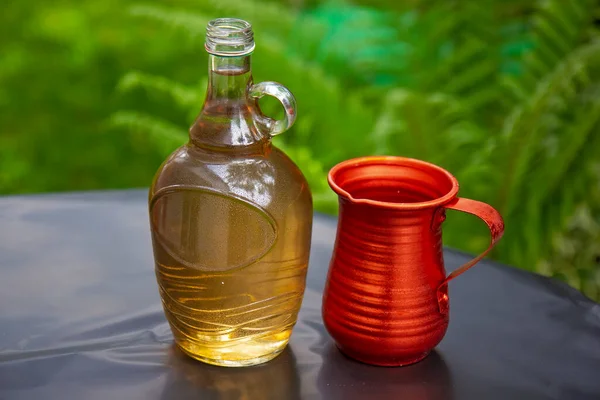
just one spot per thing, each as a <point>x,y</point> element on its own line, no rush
<point>345,379</point>
<point>386,299</point>
<point>231,217</point>
<point>274,380</point>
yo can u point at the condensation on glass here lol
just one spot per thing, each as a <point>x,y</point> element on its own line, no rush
<point>231,217</point>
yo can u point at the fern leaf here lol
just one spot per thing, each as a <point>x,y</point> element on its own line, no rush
<point>343,120</point>
<point>557,29</point>
<point>578,133</point>
<point>193,24</point>
<point>433,127</point>
<point>324,199</point>
<point>165,135</point>
<point>184,96</point>
<point>522,129</point>
<point>258,13</point>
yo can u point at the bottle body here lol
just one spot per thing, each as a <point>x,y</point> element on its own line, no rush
<point>231,238</point>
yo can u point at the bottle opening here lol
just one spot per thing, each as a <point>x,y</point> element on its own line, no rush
<point>229,37</point>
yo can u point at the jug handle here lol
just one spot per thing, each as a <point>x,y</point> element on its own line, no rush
<point>287,100</point>
<point>495,223</point>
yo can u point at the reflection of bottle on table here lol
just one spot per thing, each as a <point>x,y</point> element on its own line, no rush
<point>275,380</point>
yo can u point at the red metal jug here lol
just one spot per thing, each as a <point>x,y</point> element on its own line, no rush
<point>386,298</point>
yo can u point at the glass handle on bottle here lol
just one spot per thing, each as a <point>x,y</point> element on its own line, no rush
<point>287,100</point>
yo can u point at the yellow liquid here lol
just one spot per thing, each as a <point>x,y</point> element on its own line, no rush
<point>231,277</point>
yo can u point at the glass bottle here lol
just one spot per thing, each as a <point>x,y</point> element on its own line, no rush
<point>231,217</point>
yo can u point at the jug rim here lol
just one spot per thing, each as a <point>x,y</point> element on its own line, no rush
<point>392,160</point>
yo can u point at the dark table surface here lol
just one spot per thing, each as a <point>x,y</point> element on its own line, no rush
<point>80,318</point>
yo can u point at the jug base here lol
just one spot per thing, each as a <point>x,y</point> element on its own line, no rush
<point>384,361</point>
<point>230,362</point>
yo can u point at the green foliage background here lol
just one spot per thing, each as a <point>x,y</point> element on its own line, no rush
<point>504,93</point>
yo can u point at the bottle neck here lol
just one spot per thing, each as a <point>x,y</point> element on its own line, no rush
<point>229,118</point>
<point>229,79</point>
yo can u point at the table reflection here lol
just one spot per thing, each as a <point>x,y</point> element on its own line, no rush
<point>277,379</point>
<point>343,378</point>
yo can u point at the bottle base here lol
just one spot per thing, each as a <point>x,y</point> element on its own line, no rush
<point>233,357</point>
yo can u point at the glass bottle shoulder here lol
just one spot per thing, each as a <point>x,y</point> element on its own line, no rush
<point>267,178</point>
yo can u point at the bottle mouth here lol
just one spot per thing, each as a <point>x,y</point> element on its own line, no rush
<point>229,37</point>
